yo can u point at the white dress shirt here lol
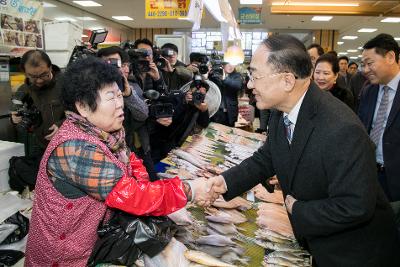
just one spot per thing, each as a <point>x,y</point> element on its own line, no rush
<point>294,113</point>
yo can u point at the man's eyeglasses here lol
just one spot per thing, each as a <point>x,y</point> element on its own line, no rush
<point>42,76</point>
<point>253,78</point>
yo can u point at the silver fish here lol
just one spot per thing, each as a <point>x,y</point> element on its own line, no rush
<point>225,228</point>
<point>215,240</point>
<point>204,258</point>
<point>223,218</point>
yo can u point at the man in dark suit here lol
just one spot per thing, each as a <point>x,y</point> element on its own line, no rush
<point>324,162</point>
<point>380,111</point>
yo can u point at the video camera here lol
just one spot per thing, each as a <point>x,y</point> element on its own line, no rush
<point>160,105</point>
<point>138,61</point>
<point>31,116</point>
<point>83,51</point>
<point>197,96</point>
<point>202,59</point>
<point>159,56</point>
<point>216,64</point>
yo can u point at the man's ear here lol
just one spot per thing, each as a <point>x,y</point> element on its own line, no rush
<point>289,81</point>
<point>83,109</point>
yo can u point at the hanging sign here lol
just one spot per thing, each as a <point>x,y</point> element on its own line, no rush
<point>166,9</point>
<point>21,24</point>
<point>250,15</point>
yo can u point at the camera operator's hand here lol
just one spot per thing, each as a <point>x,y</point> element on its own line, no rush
<point>127,89</point>
<point>15,118</point>
<point>193,68</point>
<point>53,128</point>
<point>168,67</point>
<point>154,71</point>
<point>202,106</point>
<point>165,121</point>
<point>188,97</point>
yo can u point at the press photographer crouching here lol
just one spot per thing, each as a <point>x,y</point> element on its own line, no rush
<point>37,114</point>
<point>135,109</point>
<point>88,167</point>
<point>190,118</point>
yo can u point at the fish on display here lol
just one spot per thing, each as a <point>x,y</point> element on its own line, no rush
<point>224,228</point>
<point>205,259</point>
<point>215,240</point>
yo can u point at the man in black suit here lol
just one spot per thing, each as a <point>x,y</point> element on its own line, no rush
<point>324,162</point>
<point>380,111</point>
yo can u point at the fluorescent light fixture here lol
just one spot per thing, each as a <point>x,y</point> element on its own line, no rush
<point>122,18</point>
<point>313,4</point>
<point>84,36</point>
<point>359,55</point>
<point>87,3</point>
<point>86,18</point>
<point>340,43</point>
<point>65,19</point>
<point>391,20</point>
<point>360,48</point>
<point>321,18</point>
<point>251,2</point>
<point>349,37</point>
<point>352,50</point>
<point>95,28</point>
<point>45,4</point>
<point>367,30</point>
<point>342,53</point>
<point>353,57</point>
<point>397,38</point>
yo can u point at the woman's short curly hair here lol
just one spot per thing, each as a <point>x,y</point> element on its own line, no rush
<point>84,79</point>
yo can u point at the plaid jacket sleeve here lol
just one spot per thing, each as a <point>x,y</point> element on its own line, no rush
<point>85,166</point>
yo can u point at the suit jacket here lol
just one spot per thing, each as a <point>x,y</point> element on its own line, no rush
<point>391,135</point>
<point>341,215</point>
<point>344,81</point>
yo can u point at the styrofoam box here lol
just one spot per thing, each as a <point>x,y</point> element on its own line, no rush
<point>8,150</point>
<point>59,58</point>
<point>62,35</point>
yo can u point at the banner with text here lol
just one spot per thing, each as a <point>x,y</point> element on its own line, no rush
<point>250,15</point>
<point>21,24</point>
<point>166,9</point>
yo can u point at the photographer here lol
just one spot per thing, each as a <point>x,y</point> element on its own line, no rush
<point>230,83</point>
<point>175,73</point>
<point>193,117</point>
<point>39,112</point>
<point>135,109</point>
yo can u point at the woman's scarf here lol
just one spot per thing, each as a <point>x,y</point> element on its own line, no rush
<point>115,141</point>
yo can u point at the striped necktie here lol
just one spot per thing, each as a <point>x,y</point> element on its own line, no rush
<point>377,131</point>
<point>288,130</point>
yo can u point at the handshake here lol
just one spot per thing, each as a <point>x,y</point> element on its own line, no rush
<point>206,191</point>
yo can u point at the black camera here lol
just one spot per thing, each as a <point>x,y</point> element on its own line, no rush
<point>161,105</point>
<point>31,116</point>
<point>202,59</point>
<point>158,59</point>
<point>138,61</point>
<point>197,96</point>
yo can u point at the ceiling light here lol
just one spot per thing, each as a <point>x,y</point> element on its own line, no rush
<point>313,4</point>
<point>45,4</point>
<point>84,36</point>
<point>340,43</point>
<point>85,18</point>
<point>342,53</point>
<point>360,48</point>
<point>367,30</point>
<point>349,37</point>
<point>353,57</point>
<point>321,18</point>
<point>87,3</point>
<point>65,19</point>
<point>251,2</point>
<point>391,20</point>
<point>397,38</point>
<point>359,55</point>
<point>95,28</point>
<point>122,18</point>
<point>352,50</point>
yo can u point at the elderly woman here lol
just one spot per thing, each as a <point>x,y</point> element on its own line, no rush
<point>325,75</point>
<point>86,162</point>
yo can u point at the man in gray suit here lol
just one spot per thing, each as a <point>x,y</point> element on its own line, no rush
<point>324,162</point>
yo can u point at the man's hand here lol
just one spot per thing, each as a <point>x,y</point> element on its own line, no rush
<point>289,201</point>
<point>193,68</point>
<point>200,196</point>
<point>15,119</point>
<point>127,89</point>
<point>165,121</point>
<point>188,97</point>
<point>168,67</point>
<point>216,185</point>
<point>202,107</point>
<point>53,128</point>
<point>153,72</point>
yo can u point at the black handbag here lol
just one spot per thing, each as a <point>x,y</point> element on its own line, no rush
<point>124,238</point>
